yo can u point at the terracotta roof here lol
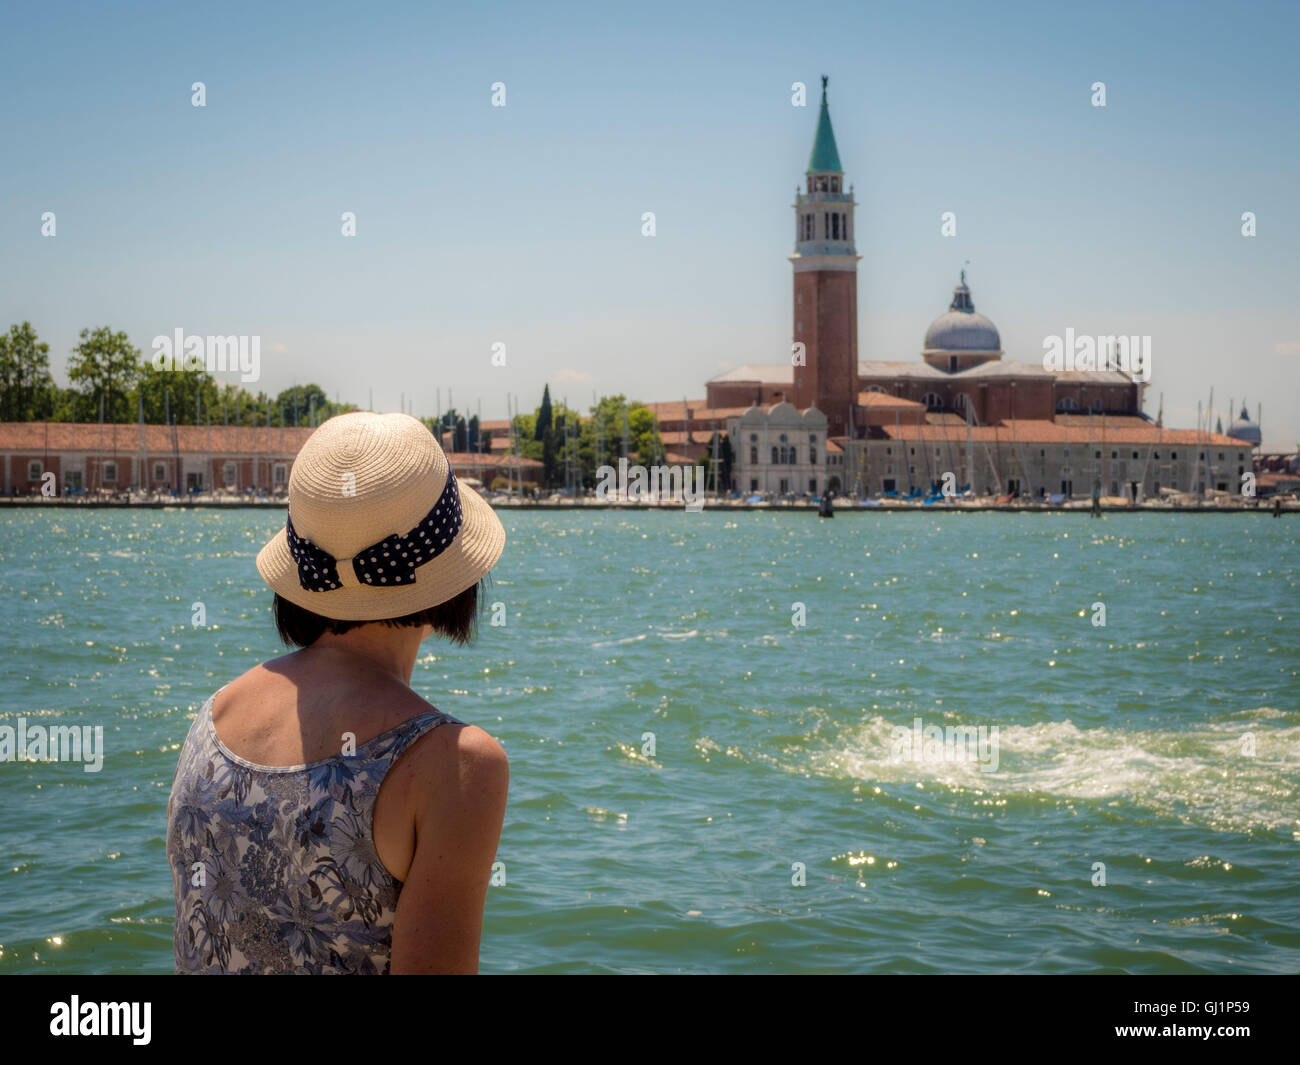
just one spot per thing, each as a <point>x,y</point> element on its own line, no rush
<point>90,436</point>
<point>700,411</point>
<point>1112,421</point>
<point>473,460</point>
<point>678,436</point>
<point>1044,432</point>
<point>884,399</point>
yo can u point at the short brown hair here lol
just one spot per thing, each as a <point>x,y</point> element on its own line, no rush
<point>455,619</point>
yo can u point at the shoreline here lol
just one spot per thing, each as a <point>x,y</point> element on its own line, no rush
<point>802,507</point>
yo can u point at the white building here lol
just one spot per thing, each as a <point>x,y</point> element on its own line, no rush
<point>779,450</point>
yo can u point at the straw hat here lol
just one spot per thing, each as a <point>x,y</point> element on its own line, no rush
<point>378,527</point>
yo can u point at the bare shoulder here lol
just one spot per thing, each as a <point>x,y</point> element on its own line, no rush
<point>464,755</point>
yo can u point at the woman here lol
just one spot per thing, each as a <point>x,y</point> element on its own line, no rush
<point>324,817</point>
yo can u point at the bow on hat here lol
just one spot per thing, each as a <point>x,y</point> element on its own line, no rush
<point>393,559</point>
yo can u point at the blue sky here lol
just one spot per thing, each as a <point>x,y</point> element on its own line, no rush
<point>522,224</point>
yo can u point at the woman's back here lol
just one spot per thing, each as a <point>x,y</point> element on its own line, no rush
<point>275,865</point>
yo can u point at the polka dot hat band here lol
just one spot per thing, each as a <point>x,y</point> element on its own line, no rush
<point>377,491</point>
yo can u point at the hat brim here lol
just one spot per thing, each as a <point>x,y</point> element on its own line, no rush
<point>466,560</point>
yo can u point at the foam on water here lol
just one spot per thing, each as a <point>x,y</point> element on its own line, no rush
<point>1200,776</point>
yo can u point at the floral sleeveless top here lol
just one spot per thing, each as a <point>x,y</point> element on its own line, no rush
<point>274,867</point>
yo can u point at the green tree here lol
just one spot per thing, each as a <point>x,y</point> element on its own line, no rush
<point>194,396</point>
<point>105,367</point>
<point>27,391</point>
<point>543,415</point>
<point>644,428</point>
<point>721,480</point>
<point>455,430</point>
<point>301,404</point>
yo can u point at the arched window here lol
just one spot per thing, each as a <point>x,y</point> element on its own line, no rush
<point>812,456</point>
<point>753,455</point>
<point>1066,404</point>
<point>877,388</point>
<point>932,401</point>
<point>961,401</point>
<point>1097,406</point>
<point>793,455</point>
<point>775,457</point>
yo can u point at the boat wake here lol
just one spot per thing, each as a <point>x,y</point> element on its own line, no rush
<point>1238,774</point>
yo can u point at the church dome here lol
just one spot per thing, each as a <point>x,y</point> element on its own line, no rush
<point>1244,429</point>
<point>961,327</point>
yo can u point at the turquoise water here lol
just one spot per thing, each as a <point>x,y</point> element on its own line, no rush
<point>1128,745</point>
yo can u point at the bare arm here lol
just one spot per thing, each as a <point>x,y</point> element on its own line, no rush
<point>460,808</point>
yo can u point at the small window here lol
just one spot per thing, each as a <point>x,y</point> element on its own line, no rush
<point>34,470</point>
<point>775,456</point>
<point>812,456</point>
<point>1114,454</point>
<point>753,438</point>
<point>784,439</point>
<point>281,473</point>
<point>110,473</point>
<point>753,455</point>
<point>1135,455</point>
<point>228,473</point>
<point>1173,454</point>
<point>160,471</point>
<point>1042,453</point>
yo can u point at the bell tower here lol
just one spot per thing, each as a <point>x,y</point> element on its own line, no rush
<point>825,265</point>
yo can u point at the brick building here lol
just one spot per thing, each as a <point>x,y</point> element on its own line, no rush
<point>114,459</point>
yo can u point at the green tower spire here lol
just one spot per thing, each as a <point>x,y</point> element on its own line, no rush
<point>824,154</point>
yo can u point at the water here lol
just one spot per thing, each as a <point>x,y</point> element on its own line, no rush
<point>1125,744</point>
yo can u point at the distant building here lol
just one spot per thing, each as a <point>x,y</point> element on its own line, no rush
<point>779,450</point>
<point>995,424</point>
<point>113,459</point>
